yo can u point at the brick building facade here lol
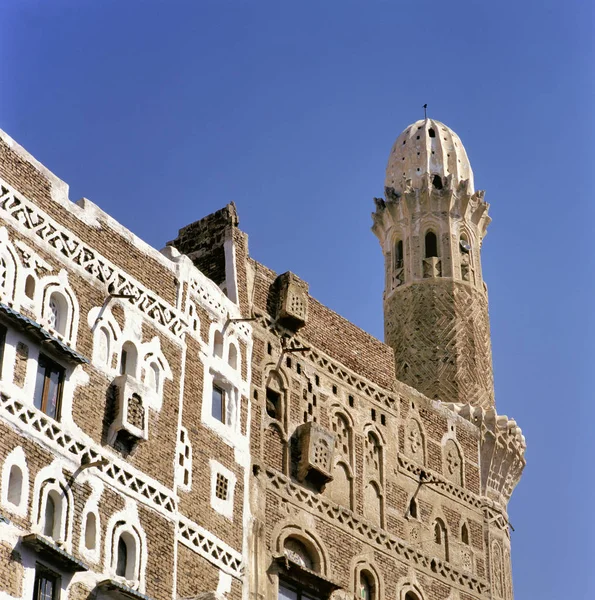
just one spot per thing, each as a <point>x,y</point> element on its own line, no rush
<point>189,424</point>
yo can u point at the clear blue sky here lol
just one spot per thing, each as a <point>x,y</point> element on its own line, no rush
<point>162,112</point>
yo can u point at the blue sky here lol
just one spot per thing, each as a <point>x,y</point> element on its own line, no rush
<point>161,112</point>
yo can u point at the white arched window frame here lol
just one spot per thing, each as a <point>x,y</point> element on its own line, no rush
<point>126,539</point>
<point>102,348</point>
<point>59,309</point>
<point>15,493</point>
<point>54,511</point>
<point>128,364</point>
<point>9,268</point>
<point>233,355</point>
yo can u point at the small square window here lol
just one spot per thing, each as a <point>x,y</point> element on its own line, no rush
<point>218,404</point>
<point>221,487</point>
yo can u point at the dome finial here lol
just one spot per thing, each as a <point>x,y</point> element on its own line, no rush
<point>425,111</point>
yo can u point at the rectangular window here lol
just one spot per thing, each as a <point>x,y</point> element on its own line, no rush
<point>218,404</point>
<point>289,591</point>
<point>46,585</point>
<point>48,387</point>
<point>2,343</point>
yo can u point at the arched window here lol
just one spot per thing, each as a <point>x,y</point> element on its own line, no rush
<point>122,561</point>
<point>58,313</point>
<point>431,243</point>
<point>52,515</point>
<point>15,485</point>
<point>218,344</point>
<point>152,377</point>
<point>126,556</point>
<point>30,287</point>
<point>413,508</point>
<point>128,359</point>
<point>366,586</point>
<point>103,347</point>
<point>411,596</point>
<point>298,553</point>
<point>90,531</point>
<point>437,182</point>
<point>233,356</point>
<point>399,254</point>
<point>464,534</point>
<point>440,537</point>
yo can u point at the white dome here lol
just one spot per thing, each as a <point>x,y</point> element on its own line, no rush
<point>427,146</point>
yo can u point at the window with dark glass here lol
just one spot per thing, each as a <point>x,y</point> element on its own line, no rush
<point>431,244</point>
<point>122,560</point>
<point>46,585</point>
<point>218,404</point>
<point>292,591</point>
<point>48,387</point>
<point>399,254</point>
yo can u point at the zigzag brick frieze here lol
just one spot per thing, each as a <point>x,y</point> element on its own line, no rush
<point>371,534</point>
<point>333,368</point>
<point>51,433</point>
<point>23,214</point>
<point>210,547</point>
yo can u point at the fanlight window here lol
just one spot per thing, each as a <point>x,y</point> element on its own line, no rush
<point>57,313</point>
<point>233,356</point>
<point>297,552</point>
<point>90,531</point>
<point>218,344</point>
<point>30,287</point>
<point>15,485</point>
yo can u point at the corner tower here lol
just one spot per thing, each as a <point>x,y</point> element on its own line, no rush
<point>431,224</point>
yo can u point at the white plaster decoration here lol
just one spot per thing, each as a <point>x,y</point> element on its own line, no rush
<point>126,523</point>
<point>63,244</point>
<point>15,483</point>
<point>206,544</point>
<point>220,374</point>
<point>51,483</point>
<point>90,541</point>
<point>73,446</point>
<point>9,267</point>
<point>184,460</point>
<point>229,249</point>
<point>60,309</point>
<point>222,480</point>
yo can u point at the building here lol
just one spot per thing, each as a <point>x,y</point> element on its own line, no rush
<point>189,424</point>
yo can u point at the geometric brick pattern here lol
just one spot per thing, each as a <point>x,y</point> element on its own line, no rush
<point>207,545</point>
<point>345,518</point>
<point>24,214</point>
<point>440,332</point>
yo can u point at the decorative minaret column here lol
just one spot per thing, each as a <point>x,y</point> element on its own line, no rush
<point>431,224</point>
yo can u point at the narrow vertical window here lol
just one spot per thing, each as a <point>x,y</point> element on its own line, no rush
<point>2,344</point>
<point>15,485</point>
<point>122,560</point>
<point>431,245</point>
<point>465,534</point>
<point>90,531</point>
<point>30,287</point>
<point>48,387</point>
<point>366,586</point>
<point>49,517</point>
<point>218,404</point>
<point>399,254</point>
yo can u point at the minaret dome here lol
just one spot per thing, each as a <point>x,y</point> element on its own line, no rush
<point>427,147</point>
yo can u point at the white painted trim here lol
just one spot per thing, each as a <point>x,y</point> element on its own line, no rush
<point>223,507</point>
<point>16,458</point>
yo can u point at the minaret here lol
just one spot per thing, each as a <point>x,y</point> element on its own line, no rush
<point>431,225</point>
